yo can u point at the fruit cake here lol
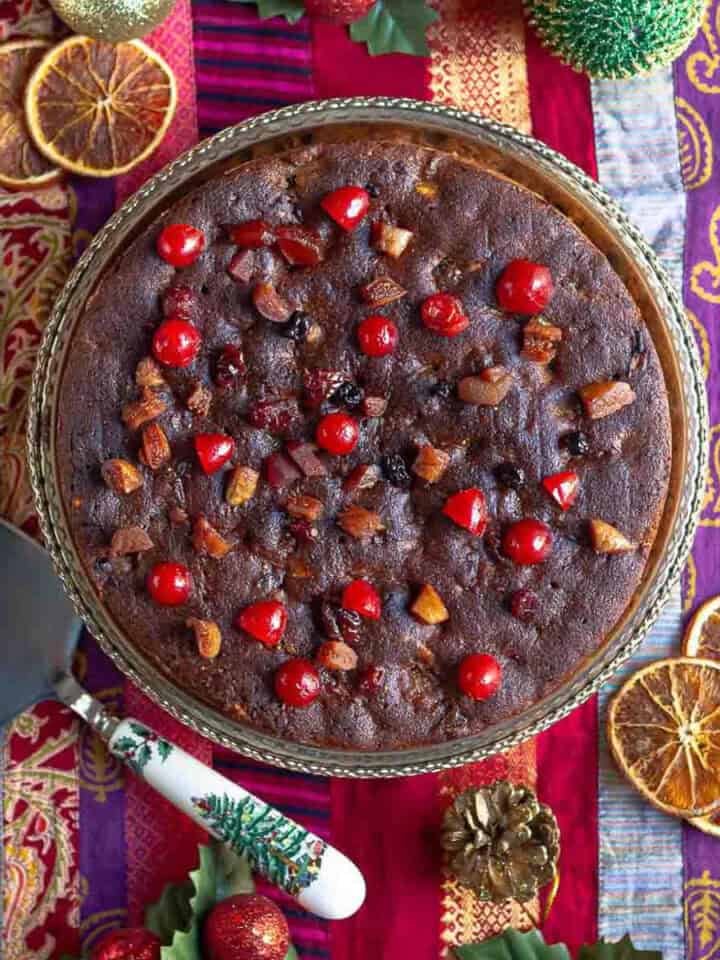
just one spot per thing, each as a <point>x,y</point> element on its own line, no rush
<point>363,445</point>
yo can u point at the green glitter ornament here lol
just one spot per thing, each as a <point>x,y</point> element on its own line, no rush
<point>616,38</point>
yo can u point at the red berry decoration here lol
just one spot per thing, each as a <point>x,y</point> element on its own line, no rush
<point>524,287</point>
<point>169,584</point>
<point>297,682</point>
<point>347,206</point>
<point>528,541</point>
<point>179,244</point>
<point>129,943</point>
<point>443,314</point>
<point>563,487</point>
<point>213,450</point>
<point>377,336</point>
<point>337,433</point>
<point>246,926</point>
<point>468,509</point>
<point>252,234</point>
<point>266,621</point>
<point>362,597</point>
<point>338,11</point>
<point>176,343</point>
<point>479,676</point>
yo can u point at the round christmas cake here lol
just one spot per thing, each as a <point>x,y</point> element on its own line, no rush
<point>364,445</point>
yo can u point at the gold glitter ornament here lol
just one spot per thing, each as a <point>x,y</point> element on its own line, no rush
<point>112,20</point>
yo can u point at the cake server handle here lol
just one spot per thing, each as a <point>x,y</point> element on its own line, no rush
<point>322,880</point>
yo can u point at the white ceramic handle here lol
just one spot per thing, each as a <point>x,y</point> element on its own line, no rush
<point>320,878</point>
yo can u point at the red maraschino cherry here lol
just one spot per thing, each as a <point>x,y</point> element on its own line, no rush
<point>562,487</point>
<point>362,597</point>
<point>169,584</point>
<point>176,343</point>
<point>378,336</point>
<point>337,433</point>
<point>213,450</point>
<point>443,314</point>
<point>479,676</point>
<point>468,509</point>
<point>347,206</point>
<point>527,541</point>
<point>297,682</point>
<point>179,244</point>
<point>524,287</point>
<point>266,621</point>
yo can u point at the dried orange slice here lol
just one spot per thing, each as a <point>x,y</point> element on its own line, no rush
<point>702,635</point>
<point>664,733</point>
<point>22,166</point>
<point>99,108</point>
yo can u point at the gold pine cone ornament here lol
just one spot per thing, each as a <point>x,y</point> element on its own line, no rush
<point>501,841</point>
<point>112,20</point>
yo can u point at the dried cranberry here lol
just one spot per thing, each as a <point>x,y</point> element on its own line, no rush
<point>179,301</point>
<point>319,384</point>
<point>371,680</point>
<point>298,327</point>
<point>524,605</point>
<point>303,531</point>
<point>347,395</point>
<point>274,416</point>
<point>395,469</point>
<point>340,624</point>
<point>576,443</point>
<point>510,476</point>
<point>230,368</point>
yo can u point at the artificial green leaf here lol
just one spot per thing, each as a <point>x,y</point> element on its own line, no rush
<point>395,26</point>
<point>171,912</point>
<point>292,10</point>
<point>513,945</point>
<point>234,873</point>
<point>622,950</point>
<point>291,954</point>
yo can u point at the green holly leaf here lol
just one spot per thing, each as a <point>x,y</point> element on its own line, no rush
<point>164,749</point>
<point>622,950</point>
<point>292,10</point>
<point>513,945</point>
<point>395,26</point>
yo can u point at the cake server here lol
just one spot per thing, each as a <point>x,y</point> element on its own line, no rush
<point>38,635</point>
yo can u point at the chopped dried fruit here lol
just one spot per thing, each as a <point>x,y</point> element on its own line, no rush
<point>121,476</point>
<point>179,301</point>
<point>280,471</point>
<point>270,304</point>
<point>362,597</point>
<point>374,406</point>
<point>305,507</point>
<point>319,384</point>
<point>305,456</point>
<point>298,327</point>
<point>380,292</point>
<point>391,240</point>
<point>207,540</point>
<point>347,206</point>
<point>297,683</point>
<point>607,539</point>
<point>199,400</point>
<point>429,606</point>
<point>510,476</point>
<point>427,189</point>
<point>178,516</point>
<point>336,655</point>
<point>479,676</point>
<point>340,624</point>
<point>443,314</point>
<point>527,541</point>
<point>252,234</point>
<point>242,266</point>
<point>213,450</point>
<point>524,605</point>
<point>359,522</point>
<point>524,287</point>
<point>378,336</point>
<point>230,368</point>
<point>138,412</point>
<point>179,244</point>
<point>207,636</point>
<point>347,395</point>
<point>176,343</point>
<point>241,486</point>
<point>337,433</point>
<point>154,446</point>
<point>395,469</point>
<point>540,340</point>
<point>430,463</point>
<point>606,397</point>
<point>148,374</point>
<point>488,389</point>
<point>468,509</point>
<point>363,477</point>
<point>300,246</point>
<point>266,621</point>
<point>129,540</point>
<point>562,487</point>
<point>576,443</point>
<point>303,532</point>
<point>371,680</point>
<point>273,415</point>
<point>169,584</point>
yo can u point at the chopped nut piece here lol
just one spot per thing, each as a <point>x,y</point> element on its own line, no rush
<point>425,655</point>
<point>488,389</point>
<point>429,606</point>
<point>389,239</point>
<point>426,189</point>
<point>207,540</point>
<point>304,508</point>
<point>606,397</point>
<point>430,463</point>
<point>207,636</point>
<point>178,516</point>
<point>138,412</point>
<point>336,655</point>
<point>199,399</point>
<point>121,476</point>
<point>148,374</point>
<point>359,522</point>
<point>129,540</point>
<point>270,304</point>
<point>374,406</point>
<point>540,340</point>
<point>363,477</point>
<point>241,485</point>
<point>155,448</point>
<point>382,291</point>
<point>607,539</point>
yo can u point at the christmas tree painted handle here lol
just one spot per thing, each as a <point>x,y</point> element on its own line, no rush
<point>320,878</point>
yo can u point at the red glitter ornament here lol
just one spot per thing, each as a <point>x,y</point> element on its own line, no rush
<point>129,943</point>
<point>245,927</point>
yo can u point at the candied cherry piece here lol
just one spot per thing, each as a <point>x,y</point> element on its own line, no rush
<point>371,679</point>
<point>213,450</point>
<point>337,433</point>
<point>179,244</point>
<point>252,234</point>
<point>524,287</point>
<point>176,343</point>
<point>443,314</point>
<point>562,487</point>
<point>527,541</point>
<point>169,584</point>
<point>301,246</point>
<point>362,597</point>
<point>377,336</point>
<point>468,509</point>
<point>266,621</point>
<point>479,676</point>
<point>347,206</point>
<point>179,302</point>
<point>297,682</point>
<point>230,368</point>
